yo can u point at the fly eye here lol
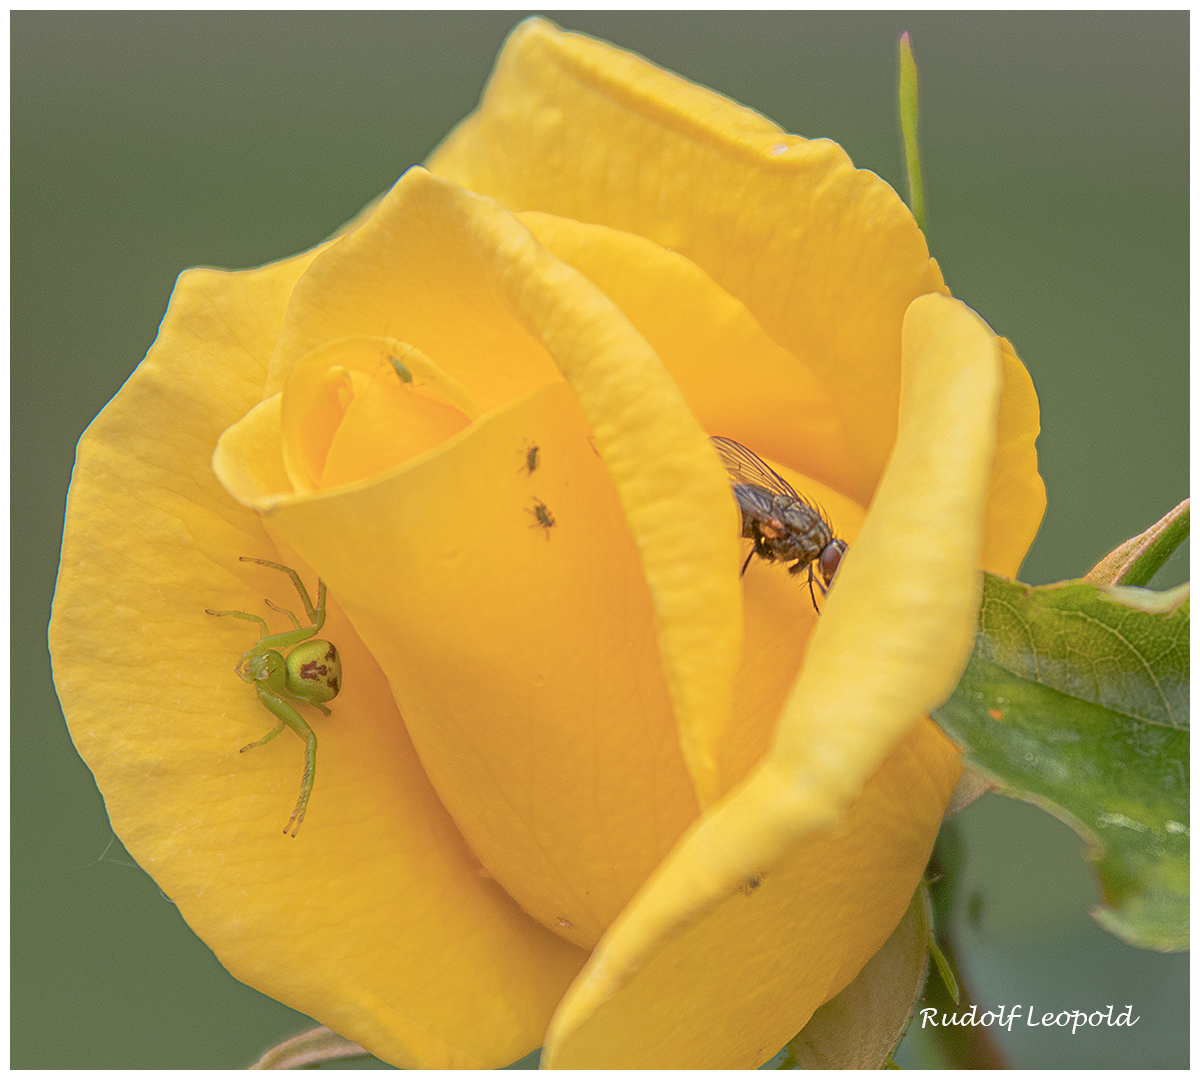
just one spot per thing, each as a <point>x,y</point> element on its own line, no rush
<point>831,557</point>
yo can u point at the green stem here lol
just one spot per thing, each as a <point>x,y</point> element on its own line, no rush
<point>908,128</point>
<point>959,1047</point>
<point>1137,560</point>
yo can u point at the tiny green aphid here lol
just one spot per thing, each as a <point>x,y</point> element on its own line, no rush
<point>311,674</point>
<point>531,458</point>
<point>401,371</point>
<point>542,518</point>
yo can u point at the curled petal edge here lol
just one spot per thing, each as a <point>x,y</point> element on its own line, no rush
<point>896,632</point>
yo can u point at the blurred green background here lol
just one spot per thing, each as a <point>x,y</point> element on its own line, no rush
<point>1055,149</point>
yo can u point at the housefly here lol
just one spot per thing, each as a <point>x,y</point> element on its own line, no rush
<point>783,524</point>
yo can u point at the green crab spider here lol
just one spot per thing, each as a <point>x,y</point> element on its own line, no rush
<point>310,674</point>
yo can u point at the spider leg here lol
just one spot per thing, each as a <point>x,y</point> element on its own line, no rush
<point>289,717</point>
<point>265,739</point>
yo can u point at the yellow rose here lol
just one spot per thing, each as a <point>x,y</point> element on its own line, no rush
<point>585,785</point>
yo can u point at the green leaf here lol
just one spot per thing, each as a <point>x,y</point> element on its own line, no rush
<point>1076,699</point>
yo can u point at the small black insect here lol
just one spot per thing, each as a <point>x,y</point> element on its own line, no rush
<point>542,518</point>
<point>747,886</point>
<point>532,457</point>
<point>783,524</point>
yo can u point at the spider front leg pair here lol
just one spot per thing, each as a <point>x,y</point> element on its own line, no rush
<point>310,674</point>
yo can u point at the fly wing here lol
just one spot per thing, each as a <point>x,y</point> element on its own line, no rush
<point>757,503</point>
<point>746,467</point>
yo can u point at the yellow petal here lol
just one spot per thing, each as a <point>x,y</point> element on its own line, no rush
<point>861,1027</point>
<point>249,454</point>
<point>375,919</point>
<point>397,275</point>
<point>728,990</point>
<point>737,381</point>
<point>825,257</point>
<point>912,582</point>
<point>353,408</point>
<point>369,441</point>
<point>1016,494</point>
<point>896,631</point>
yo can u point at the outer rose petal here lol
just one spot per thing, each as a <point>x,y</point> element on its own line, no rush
<point>375,919</point>
<point>1016,494</point>
<point>825,256</point>
<point>895,634</point>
